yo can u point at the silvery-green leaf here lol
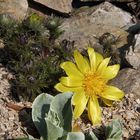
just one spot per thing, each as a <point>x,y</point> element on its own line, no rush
<point>54,131</point>
<point>75,136</point>
<point>114,130</point>
<point>40,107</point>
<point>60,112</point>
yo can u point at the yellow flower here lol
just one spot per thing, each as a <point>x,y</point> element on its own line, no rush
<point>87,79</point>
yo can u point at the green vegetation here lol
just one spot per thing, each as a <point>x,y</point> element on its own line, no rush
<point>52,116</point>
<point>31,54</point>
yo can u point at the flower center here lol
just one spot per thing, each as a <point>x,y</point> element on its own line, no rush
<point>93,84</point>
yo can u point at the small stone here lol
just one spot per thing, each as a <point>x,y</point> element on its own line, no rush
<point>125,133</point>
<point>2,126</point>
<point>121,110</point>
<point>105,112</point>
<point>138,101</point>
<point>117,116</point>
<point>130,115</point>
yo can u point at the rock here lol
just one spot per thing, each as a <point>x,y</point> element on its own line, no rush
<point>88,24</point>
<point>133,54</point>
<point>109,0</point>
<point>32,10</point>
<point>108,14</point>
<point>128,80</point>
<point>63,6</point>
<point>17,9</point>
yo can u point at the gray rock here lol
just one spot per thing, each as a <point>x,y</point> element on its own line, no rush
<point>128,80</point>
<point>88,24</point>
<point>108,14</point>
<point>133,54</point>
<point>17,9</point>
<point>64,6</point>
<point>109,0</point>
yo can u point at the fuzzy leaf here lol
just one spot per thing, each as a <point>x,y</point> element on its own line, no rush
<point>75,136</point>
<point>60,112</point>
<point>59,117</point>
<point>27,138</point>
<point>54,131</point>
<point>114,130</point>
<point>40,107</point>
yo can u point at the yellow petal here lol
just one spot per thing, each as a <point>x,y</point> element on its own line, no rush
<point>112,93</point>
<point>71,81</point>
<point>62,88</point>
<point>99,59</point>
<point>71,69</point>
<point>92,58</point>
<point>103,65</point>
<point>80,62</point>
<point>80,107</point>
<point>94,110</point>
<point>107,102</point>
<point>87,63</point>
<point>77,97</point>
<point>89,113</point>
<point>111,71</point>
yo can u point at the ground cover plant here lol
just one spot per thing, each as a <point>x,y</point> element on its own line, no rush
<point>30,53</point>
<point>53,116</point>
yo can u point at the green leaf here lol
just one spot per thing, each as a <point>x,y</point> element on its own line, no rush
<point>114,130</point>
<point>75,136</point>
<point>27,138</point>
<point>40,107</point>
<point>61,111</point>
<point>54,131</point>
<point>59,117</point>
<point>91,136</point>
<point>22,138</point>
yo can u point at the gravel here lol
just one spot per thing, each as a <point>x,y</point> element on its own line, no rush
<point>127,111</point>
<point>10,127</point>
